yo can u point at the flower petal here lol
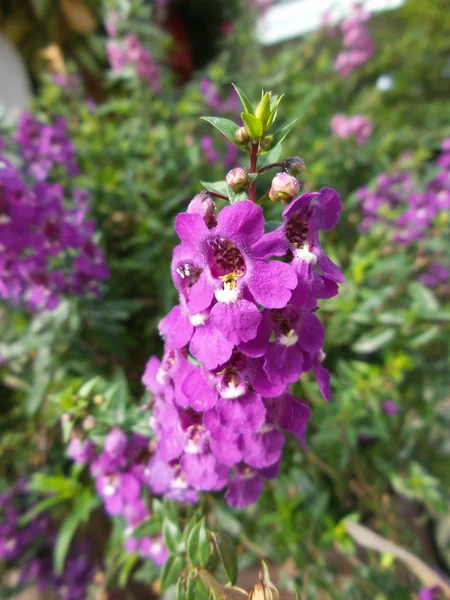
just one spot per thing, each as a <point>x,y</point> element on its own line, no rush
<point>242,492</point>
<point>271,283</point>
<point>176,328</point>
<point>242,221</point>
<point>244,414</point>
<point>209,346</point>
<point>271,244</point>
<point>295,416</point>
<point>312,333</point>
<point>283,364</point>
<point>191,228</point>
<point>201,295</point>
<point>326,209</point>
<point>201,396</point>
<point>237,321</point>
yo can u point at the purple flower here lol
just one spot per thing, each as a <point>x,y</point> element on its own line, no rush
<point>389,407</point>
<point>357,41</point>
<point>356,125</point>
<point>299,235</point>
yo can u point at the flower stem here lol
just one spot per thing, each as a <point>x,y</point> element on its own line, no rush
<point>278,164</point>
<point>217,195</point>
<point>253,159</point>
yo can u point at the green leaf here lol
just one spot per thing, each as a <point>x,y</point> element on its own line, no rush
<point>181,593</point>
<point>171,571</point>
<point>297,594</point>
<point>226,128</point>
<point>149,527</point>
<point>41,507</point>
<point>172,536</point>
<point>422,296</point>
<point>236,196</point>
<point>117,397</point>
<point>196,589</point>
<point>83,506</point>
<point>374,340</point>
<point>130,562</point>
<point>279,136</point>
<point>244,99</point>
<point>425,337</point>
<point>271,226</point>
<point>274,104</point>
<point>41,379</point>
<point>216,187</point>
<point>273,156</point>
<point>198,544</point>
<point>227,555</point>
<point>88,387</point>
<point>253,125</point>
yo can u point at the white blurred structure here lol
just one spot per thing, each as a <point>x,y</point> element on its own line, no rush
<point>15,88</point>
<point>292,18</point>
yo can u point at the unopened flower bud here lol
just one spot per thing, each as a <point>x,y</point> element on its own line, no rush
<point>294,165</point>
<point>262,111</point>
<point>238,179</point>
<point>242,136</point>
<point>284,187</point>
<point>202,204</point>
<point>89,422</point>
<point>98,399</point>
<point>267,142</point>
<point>264,590</point>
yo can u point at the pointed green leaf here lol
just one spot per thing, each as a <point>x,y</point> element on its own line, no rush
<point>279,136</point>
<point>244,99</point>
<point>253,125</point>
<point>273,156</point>
<point>149,527</point>
<point>374,340</point>
<point>216,187</point>
<point>171,571</point>
<point>226,128</point>
<point>181,592</point>
<point>237,196</point>
<point>274,104</point>
<point>172,536</point>
<point>196,590</point>
<point>198,544</point>
<point>83,506</point>
<point>297,594</point>
<point>40,507</point>
<point>227,555</point>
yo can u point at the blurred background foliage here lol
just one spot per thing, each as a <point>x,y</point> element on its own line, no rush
<point>142,158</point>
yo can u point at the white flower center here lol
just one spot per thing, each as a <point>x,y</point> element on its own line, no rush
<point>232,391</point>
<point>199,319</point>
<point>228,294</point>
<point>289,339</point>
<point>304,254</point>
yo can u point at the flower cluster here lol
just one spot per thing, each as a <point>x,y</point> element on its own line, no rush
<point>42,146</point>
<point>46,248</point>
<point>355,125</point>
<point>399,202</point>
<point>245,328</point>
<point>212,154</point>
<point>399,195</point>
<point>358,44</point>
<point>130,51</point>
<point>121,472</point>
<point>211,95</point>
<point>14,539</point>
<point>16,543</point>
